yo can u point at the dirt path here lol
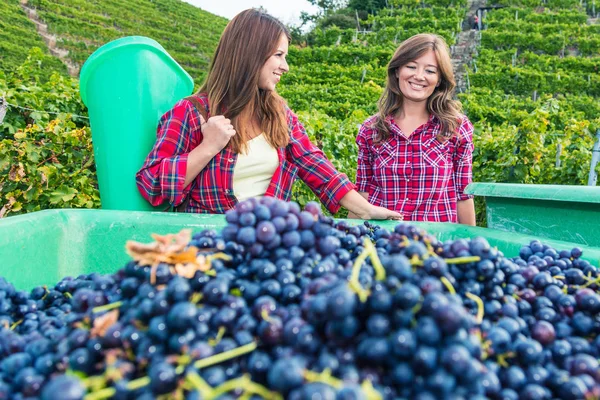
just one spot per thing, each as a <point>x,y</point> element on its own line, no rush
<point>465,48</point>
<point>50,39</point>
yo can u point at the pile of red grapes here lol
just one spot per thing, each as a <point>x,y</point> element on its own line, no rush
<point>284,303</point>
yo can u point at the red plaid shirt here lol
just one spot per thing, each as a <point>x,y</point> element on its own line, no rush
<point>162,176</point>
<point>420,177</point>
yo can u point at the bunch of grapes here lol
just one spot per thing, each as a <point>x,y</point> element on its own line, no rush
<point>289,303</point>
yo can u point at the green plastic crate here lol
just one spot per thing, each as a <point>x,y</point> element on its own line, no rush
<point>559,212</point>
<point>42,247</point>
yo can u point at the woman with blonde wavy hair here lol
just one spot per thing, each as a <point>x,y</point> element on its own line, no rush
<point>415,154</point>
<point>237,139</point>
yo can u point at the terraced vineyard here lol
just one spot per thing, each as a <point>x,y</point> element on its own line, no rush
<point>535,90</point>
<point>17,36</point>
<point>188,33</point>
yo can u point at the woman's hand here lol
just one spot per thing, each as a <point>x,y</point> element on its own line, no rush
<point>359,207</point>
<point>216,132</point>
<point>376,212</point>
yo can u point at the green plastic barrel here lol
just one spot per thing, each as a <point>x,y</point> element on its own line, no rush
<point>127,85</point>
<point>42,247</point>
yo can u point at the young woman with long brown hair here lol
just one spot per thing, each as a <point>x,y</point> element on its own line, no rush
<point>415,155</point>
<point>249,144</point>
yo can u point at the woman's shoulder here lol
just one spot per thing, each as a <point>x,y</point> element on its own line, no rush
<point>185,111</point>
<point>192,101</point>
<point>368,129</point>
<point>369,124</point>
<point>465,128</point>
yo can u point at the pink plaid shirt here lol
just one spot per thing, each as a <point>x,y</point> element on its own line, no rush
<point>420,177</point>
<point>161,178</point>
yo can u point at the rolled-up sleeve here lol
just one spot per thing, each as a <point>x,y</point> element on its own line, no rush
<point>162,177</point>
<point>364,171</point>
<point>463,159</point>
<point>314,168</point>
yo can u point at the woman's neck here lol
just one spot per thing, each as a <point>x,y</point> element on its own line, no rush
<point>411,110</point>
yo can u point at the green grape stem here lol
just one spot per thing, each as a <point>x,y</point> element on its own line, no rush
<point>375,261</point>
<point>448,285</point>
<point>107,307</point>
<point>480,307</point>
<point>226,355</point>
<point>323,377</point>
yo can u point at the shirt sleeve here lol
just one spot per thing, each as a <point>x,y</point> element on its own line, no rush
<point>161,179</point>
<point>462,159</point>
<point>364,171</point>
<point>314,168</point>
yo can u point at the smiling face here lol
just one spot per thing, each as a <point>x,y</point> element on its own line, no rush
<point>419,78</point>
<point>275,66</point>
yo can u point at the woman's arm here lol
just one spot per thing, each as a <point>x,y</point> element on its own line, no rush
<point>463,173</point>
<point>162,177</point>
<point>333,188</point>
<point>465,210</point>
<point>366,196</point>
<point>364,171</point>
<point>216,133</point>
<point>185,144</point>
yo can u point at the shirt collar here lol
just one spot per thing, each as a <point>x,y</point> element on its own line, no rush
<point>394,129</point>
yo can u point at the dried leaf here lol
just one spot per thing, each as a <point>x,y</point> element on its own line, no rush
<point>44,179</point>
<point>7,207</point>
<point>103,322</point>
<point>169,249</point>
<point>16,172</point>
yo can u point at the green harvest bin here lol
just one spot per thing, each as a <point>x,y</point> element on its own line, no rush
<point>127,85</point>
<point>560,212</point>
<point>42,247</point>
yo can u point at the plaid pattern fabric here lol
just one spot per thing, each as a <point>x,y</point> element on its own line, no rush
<point>161,178</point>
<point>420,177</point>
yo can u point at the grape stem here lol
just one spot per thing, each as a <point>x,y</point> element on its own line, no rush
<point>14,325</point>
<point>217,339</point>
<point>370,392</point>
<point>480,307</point>
<point>199,384</point>
<point>323,377</point>
<point>462,260</point>
<point>109,392</point>
<point>107,307</point>
<point>354,283</point>
<point>375,261</point>
<point>218,256</point>
<point>448,285</point>
<point>244,382</point>
<point>226,355</point>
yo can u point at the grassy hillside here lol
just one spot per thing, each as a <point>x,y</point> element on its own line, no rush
<point>188,33</point>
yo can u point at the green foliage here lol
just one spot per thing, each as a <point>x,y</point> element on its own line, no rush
<point>47,167</point>
<point>27,87</point>
<point>46,160</point>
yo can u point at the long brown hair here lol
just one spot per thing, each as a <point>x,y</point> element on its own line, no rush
<point>231,85</point>
<point>440,103</point>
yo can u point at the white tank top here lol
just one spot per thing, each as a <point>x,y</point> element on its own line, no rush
<point>254,170</point>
